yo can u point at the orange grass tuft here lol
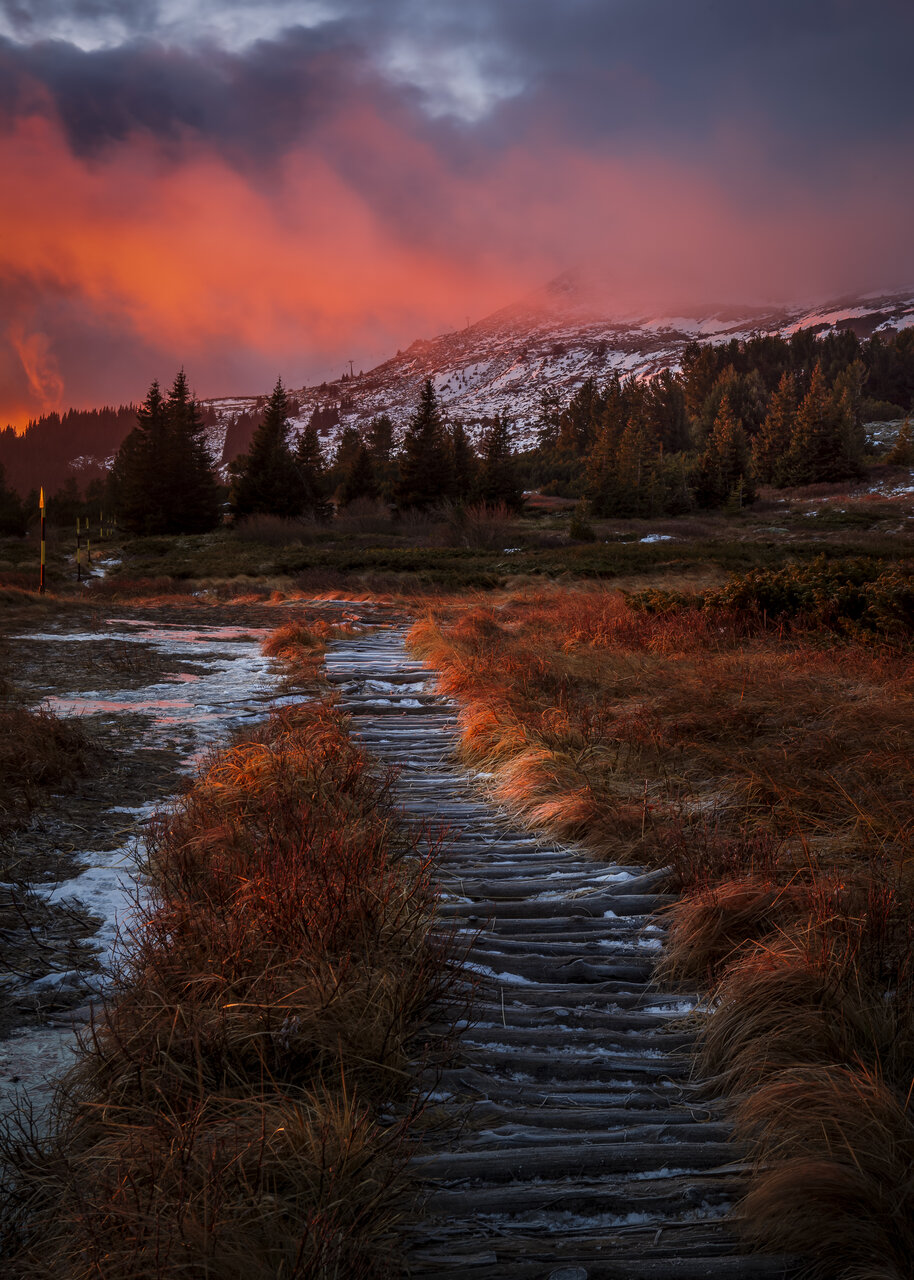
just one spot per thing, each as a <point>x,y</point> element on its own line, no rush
<point>770,768</point>
<point>224,1117</point>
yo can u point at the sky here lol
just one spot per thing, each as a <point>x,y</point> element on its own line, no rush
<point>255,190</point>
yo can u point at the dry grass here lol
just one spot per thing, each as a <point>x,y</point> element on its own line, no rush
<point>300,648</point>
<point>770,770</point>
<point>39,752</point>
<point>225,1117</point>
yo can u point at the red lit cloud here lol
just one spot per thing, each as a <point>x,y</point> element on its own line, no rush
<point>343,224</point>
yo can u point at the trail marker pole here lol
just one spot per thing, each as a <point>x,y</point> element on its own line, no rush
<point>79,554</point>
<point>43,545</point>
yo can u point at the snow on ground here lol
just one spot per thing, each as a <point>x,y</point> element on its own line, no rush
<point>234,686</point>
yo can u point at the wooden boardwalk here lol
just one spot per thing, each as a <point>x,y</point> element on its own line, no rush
<point>571,1144</point>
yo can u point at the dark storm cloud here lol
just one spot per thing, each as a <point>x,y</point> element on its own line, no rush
<point>222,182</point>
<point>805,77</point>
<point>261,102</point>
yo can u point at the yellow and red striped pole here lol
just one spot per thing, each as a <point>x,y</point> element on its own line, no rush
<point>43,547</point>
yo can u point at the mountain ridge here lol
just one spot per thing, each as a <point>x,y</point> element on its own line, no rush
<point>552,339</point>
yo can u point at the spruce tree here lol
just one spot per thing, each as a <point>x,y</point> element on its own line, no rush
<point>498,479</point>
<point>138,480</point>
<point>464,463</point>
<point>636,489</point>
<point>902,453</point>
<point>724,467</point>
<point>193,502</point>
<point>266,479</point>
<point>312,472</point>
<point>359,481</point>
<point>380,441</point>
<point>817,452</point>
<point>771,447</point>
<point>13,515</point>
<point>847,393</point>
<point>426,477</point>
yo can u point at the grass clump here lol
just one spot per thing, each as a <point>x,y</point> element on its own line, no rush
<point>39,752</point>
<point>766,764</point>
<point>225,1116</point>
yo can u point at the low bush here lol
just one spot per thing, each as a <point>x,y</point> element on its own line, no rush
<point>856,596</point>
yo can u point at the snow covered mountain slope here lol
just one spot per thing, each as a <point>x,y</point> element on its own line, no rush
<point>554,340</point>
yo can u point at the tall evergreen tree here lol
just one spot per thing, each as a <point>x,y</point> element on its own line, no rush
<point>313,473</point>
<point>13,515</point>
<point>193,501</point>
<point>138,480</point>
<point>771,447</point>
<point>498,479</point>
<point>426,477</point>
<point>267,478</point>
<point>724,467</point>
<point>360,480</point>
<point>902,452</point>
<point>667,413</point>
<point>817,452</point>
<point>464,463</point>
<point>636,491</point>
<point>380,441</point>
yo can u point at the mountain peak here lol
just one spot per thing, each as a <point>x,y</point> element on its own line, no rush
<point>554,339</point>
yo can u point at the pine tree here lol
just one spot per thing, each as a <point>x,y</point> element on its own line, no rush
<point>426,477</point>
<point>312,472</point>
<point>547,420</point>
<point>667,414</point>
<point>771,447</point>
<point>193,502</point>
<point>498,479</point>
<point>601,477</point>
<point>902,454</point>
<point>138,480</point>
<point>464,463</point>
<point>380,439</point>
<point>359,480</point>
<point>267,478</point>
<point>636,490</point>
<point>13,515</point>
<point>847,393</point>
<point>817,452</point>
<point>724,467</point>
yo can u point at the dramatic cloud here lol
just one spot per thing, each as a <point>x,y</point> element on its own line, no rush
<point>253,190</point>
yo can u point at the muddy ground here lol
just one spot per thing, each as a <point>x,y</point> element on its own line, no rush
<point>131,676</point>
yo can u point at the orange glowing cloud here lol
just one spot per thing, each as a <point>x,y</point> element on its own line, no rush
<point>366,236</point>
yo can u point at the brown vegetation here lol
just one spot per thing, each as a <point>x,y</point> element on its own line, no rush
<point>38,752</point>
<point>227,1117</point>
<point>768,766</point>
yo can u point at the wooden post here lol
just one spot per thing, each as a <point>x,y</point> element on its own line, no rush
<point>79,554</point>
<point>43,545</point>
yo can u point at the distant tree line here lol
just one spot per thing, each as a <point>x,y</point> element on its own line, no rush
<point>435,464</point>
<point>763,411</point>
<point>767,410</point>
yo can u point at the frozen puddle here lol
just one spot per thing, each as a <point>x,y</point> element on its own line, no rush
<point>233,685</point>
